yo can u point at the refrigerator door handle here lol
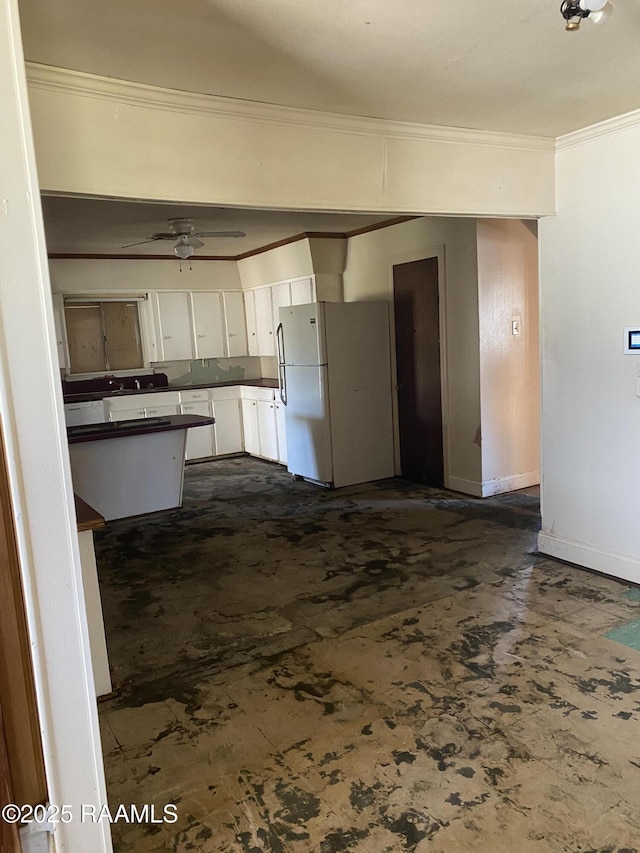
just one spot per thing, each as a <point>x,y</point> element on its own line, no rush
<point>280,343</point>
<point>282,375</point>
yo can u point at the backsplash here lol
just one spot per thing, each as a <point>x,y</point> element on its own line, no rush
<point>210,370</point>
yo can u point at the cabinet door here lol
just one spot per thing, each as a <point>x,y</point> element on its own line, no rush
<point>208,325</point>
<point>282,433</point>
<point>174,326</point>
<point>127,414</point>
<point>267,430</point>
<point>58,319</point>
<point>200,441</point>
<point>264,321</point>
<point>302,291</point>
<point>250,424</point>
<point>235,323</point>
<point>280,298</point>
<point>159,411</point>
<point>250,316</point>
<point>228,426</point>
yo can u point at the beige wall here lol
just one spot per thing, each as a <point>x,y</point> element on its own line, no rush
<point>126,139</point>
<point>590,273</point>
<point>509,364</point>
<point>280,264</point>
<point>369,275</point>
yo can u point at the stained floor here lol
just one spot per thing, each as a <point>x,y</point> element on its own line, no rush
<point>381,668</point>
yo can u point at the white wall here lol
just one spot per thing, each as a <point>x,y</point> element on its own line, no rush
<point>125,137</point>
<point>80,275</point>
<point>369,275</point>
<point>509,364</point>
<point>590,276</point>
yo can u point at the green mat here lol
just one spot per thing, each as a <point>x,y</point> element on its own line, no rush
<point>628,635</point>
<point>633,594</point>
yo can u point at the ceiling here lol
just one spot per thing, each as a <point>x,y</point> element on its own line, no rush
<point>504,65</point>
<point>101,226</point>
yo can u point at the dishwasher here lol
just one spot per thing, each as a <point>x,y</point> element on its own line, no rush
<point>87,412</point>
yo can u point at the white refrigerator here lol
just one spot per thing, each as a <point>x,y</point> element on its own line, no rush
<point>334,372</point>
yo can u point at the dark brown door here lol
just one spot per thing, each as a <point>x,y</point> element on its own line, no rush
<point>22,750</point>
<point>418,359</point>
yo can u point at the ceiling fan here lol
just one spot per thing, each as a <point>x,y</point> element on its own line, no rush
<point>183,231</point>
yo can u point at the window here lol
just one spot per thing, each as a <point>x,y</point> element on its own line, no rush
<point>103,335</point>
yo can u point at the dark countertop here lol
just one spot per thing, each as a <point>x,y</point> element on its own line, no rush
<point>139,426</point>
<point>127,392</point>
<point>87,517</point>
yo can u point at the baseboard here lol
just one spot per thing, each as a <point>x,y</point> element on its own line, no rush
<point>608,562</point>
<point>510,484</point>
<point>467,487</point>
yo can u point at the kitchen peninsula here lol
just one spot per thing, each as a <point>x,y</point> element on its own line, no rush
<point>132,467</point>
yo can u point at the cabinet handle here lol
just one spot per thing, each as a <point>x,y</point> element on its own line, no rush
<point>200,336</point>
<point>166,338</point>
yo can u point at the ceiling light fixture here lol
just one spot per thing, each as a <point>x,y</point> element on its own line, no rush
<point>183,248</point>
<point>575,11</point>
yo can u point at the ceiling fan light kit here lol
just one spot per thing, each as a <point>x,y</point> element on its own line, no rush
<point>575,11</point>
<point>183,231</point>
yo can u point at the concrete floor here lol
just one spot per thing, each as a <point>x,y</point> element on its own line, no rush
<point>381,668</point>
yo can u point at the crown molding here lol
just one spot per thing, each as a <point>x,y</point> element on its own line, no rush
<point>609,127</point>
<point>80,83</point>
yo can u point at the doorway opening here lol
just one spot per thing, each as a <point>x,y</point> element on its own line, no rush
<point>417,326</point>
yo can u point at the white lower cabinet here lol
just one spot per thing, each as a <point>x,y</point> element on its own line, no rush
<point>132,406</point>
<point>264,430</point>
<point>250,424</point>
<point>200,440</point>
<point>228,427</point>
<point>126,414</point>
<point>268,436</point>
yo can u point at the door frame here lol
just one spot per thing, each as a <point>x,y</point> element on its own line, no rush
<point>436,251</point>
<point>39,476</point>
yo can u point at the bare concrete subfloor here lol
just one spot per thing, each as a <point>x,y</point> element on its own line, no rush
<point>382,668</point>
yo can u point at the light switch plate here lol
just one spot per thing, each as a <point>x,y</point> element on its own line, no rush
<point>515,326</point>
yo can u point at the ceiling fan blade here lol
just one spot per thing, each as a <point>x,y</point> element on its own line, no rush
<point>219,234</point>
<point>197,244</point>
<point>140,242</point>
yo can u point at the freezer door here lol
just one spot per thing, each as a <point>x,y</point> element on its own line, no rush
<point>303,338</point>
<point>307,423</point>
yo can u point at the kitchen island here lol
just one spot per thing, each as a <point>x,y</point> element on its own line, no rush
<point>125,468</point>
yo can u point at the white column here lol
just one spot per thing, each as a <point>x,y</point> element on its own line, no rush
<point>31,410</point>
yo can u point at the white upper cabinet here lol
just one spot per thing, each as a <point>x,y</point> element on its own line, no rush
<point>208,325</point>
<point>199,324</point>
<point>280,298</point>
<point>264,321</point>
<point>303,291</point>
<point>173,326</point>
<point>235,323</point>
<point>252,328</point>
<point>262,310</point>
<point>58,319</point>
